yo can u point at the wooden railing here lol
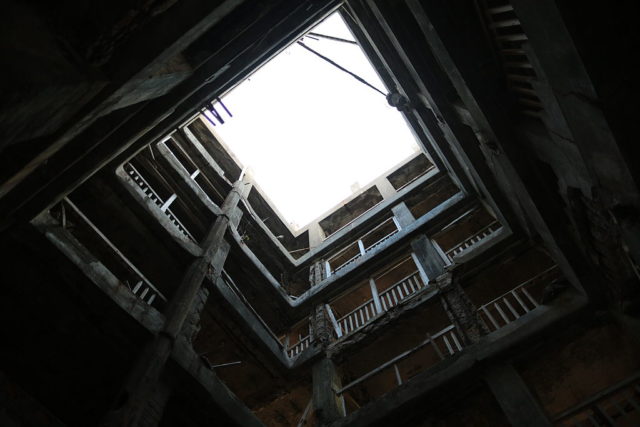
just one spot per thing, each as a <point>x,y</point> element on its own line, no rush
<point>473,240</point>
<point>507,35</point>
<point>299,347</point>
<point>513,304</point>
<point>139,285</point>
<point>357,318</point>
<point>391,297</point>
<point>446,339</point>
<point>618,405</point>
<point>362,247</point>
<point>401,290</point>
<point>153,196</point>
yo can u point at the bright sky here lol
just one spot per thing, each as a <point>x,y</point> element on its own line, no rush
<point>309,131</point>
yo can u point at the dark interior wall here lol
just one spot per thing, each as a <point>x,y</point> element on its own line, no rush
<point>586,358</point>
<point>605,38</point>
<point>70,346</point>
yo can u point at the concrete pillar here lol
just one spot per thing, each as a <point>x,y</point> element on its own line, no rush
<point>192,324</point>
<point>142,381</point>
<point>514,397</point>
<point>317,272</point>
<point>327,404</point>
<point>427,257</point>
<point>316,235</point>
<point>154,409</point>
<point>461,311</point>
<point>385,188</point>
<point>321,326</point>
<point>403,214</point>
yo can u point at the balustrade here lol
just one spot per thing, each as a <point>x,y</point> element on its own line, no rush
<point>163,206</point>
<point>445,339</point>
<point>515,303</point>
<point>366,312</point>
<point>139,285</point>
<point>299,347</point>
<point>366,243</point>
<point>473,240</point>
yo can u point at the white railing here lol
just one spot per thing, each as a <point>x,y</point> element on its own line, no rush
<point>153,196</point>
<point>401,290</point>
<point>391,297</point>
<point>515,303</point>
<point>357,318</point>
<point>146,291</point>
<point>362,248</point>
<point>299,347</point>
<point>473,240</point>
<point>142,289</point>
<point>446,339</point>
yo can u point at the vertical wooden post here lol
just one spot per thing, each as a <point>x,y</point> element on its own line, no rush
<point>144,377</point>
<point>328,405</point>
<point>514,397</point>
<point>460,309</point>
<point>375,295</point>
<point>427,257</point>
<point>423,275</point>
<point>335,324</point>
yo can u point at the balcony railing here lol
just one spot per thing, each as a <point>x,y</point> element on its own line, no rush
<point>473,240</point>
<point>444,342</point>
<point>357,318</point>
<point>137,283</point>
<point>362,245</point>
<point>299,347</point>
<point>366,312</point>
<point>511,305</point>
<point>157,200</point>
<point>509,39</point>
<point>401,290</point>
<point>618,405</point>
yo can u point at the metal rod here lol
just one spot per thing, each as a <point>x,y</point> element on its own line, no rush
<point>340,67</point>
<point>336,39</point>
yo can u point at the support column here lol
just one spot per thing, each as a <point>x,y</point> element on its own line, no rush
<point>316,235</point>
<point>427,257</point>
<point>154,408</point>
<point>385,188</point>
<point>375,295</point>
<point>143,378</point>
<point>403,214</point>
<point>461,311</point>
<point>328,406</point>
<point>514,397</point>
<point>317,272</point>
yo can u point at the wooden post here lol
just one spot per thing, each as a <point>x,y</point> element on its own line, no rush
<point>427,257</point>
<point>335,324</point>
<point>461,311</point>
<point>423,274</point>
<point>327,404</point>
<point>375,295</point>
<point>402,216</point>
<point>143,378</point>
<point>514,397</point>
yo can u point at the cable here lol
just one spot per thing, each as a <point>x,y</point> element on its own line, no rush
<point>336,39</point>
<point>340,67</point>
